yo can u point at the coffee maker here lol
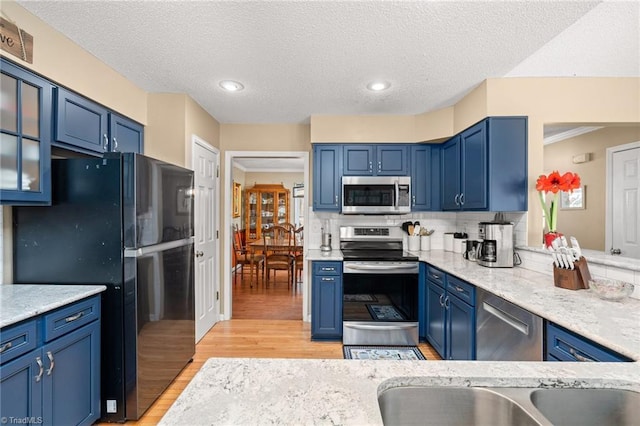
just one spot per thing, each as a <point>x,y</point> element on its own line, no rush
<point>496,247</point>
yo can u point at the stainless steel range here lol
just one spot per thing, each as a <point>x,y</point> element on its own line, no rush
<point>380,287</point>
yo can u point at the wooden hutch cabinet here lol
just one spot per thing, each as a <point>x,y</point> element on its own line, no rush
<point>266,205</point>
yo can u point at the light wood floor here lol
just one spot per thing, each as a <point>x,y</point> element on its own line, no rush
<point>267,323</point>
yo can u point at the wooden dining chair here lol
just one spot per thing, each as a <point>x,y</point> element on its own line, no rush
<point>298,261</point>
<point>278,245</point>
<point>244,257</point>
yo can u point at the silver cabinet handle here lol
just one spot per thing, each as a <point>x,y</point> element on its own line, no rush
<point>413,199</point>
<point>434,276</point>
<point>459,289</point>
<point>51,363</point>
<point>39,362</point>
<point>446,302</point>
<point>115,144</point>
<point>579,357</point>
<point>336,199</point>
<point>328,269</point>
<point>328,279</point>
<point>72,318</point>
<point>106,142</point>
<point>456,199</point>
<point>440,300</point>
<point>379,166</point>
<point>5,347</point>
<point>370,166</point>
<point>462,199</point>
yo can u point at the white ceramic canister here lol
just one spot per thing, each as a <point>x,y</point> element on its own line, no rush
<point>459,244</point>
<point>414,243</point>
<point>448,241</point>
<point>425,243</point>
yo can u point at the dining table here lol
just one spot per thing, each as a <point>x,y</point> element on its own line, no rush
<point>291,245</point>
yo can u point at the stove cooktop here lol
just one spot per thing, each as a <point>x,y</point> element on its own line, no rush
<point>378,255</point>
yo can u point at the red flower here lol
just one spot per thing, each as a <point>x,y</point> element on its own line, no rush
<point>570,181</point>
<point>552,183</point>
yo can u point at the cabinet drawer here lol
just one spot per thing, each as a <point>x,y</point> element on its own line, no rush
<point>435,275</point>
<point>327,268</point>
<point>462,289</point>
<point>17,339</point>
<point>563,345</point>
<point>71,318</point>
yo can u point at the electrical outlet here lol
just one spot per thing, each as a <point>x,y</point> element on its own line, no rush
<point>112,406</point>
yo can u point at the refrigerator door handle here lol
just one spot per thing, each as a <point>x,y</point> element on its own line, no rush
<point>158,247</point>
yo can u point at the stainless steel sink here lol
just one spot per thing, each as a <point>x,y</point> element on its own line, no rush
<point>588,406</point>
<point>445,406</point>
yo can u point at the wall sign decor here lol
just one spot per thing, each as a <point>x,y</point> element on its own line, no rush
<point>16,41</point>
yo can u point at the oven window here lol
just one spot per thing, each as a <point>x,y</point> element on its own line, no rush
<point>369,195</point>
<point>372,297</point>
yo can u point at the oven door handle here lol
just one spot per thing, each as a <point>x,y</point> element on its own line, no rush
<point>379,267</point>
<point>399,326</point>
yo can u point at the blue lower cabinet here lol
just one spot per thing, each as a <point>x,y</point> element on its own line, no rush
<point>450,319</point>
<point>58,383</point>
<point>326,303</point>
<point>565,345</point>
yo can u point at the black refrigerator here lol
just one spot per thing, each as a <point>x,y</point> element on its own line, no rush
<point>124,221</point>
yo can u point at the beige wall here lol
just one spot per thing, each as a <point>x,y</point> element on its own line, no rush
<point>198,122</point>
<point>59,59</point>
<point>165,132</point>
<point>587,225</point>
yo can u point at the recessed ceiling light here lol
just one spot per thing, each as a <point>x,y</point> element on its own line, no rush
<point>231,86</point>
<point>378,86</point>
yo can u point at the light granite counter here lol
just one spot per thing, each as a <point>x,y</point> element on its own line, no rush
<point>244,391</point>
<point>316,254</point>
<point>597,258</point>
<point>22,301</point>
<point>615,325</point>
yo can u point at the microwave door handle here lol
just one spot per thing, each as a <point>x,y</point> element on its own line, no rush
<point>397,195</point>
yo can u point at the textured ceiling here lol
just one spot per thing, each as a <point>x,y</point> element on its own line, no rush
<point>302,58</point>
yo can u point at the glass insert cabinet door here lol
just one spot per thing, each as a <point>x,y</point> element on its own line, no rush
<point>25,136</point>
<point>266,205</point>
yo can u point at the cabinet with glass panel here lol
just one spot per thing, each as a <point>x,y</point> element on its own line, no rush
<point>25,136</point>
<point>266,205</point>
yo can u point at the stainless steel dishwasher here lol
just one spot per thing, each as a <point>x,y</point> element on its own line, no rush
<point>506,332</point>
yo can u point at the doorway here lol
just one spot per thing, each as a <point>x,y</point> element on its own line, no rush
<point>206,166</point>
<point>267,159</point>
<point>623,200</point>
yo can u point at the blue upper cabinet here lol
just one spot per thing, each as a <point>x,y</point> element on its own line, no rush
<point>125,135</point>
<point>376,160</point>
<point>85,126</point>
<point>425,177</point>
<point>327,172</point>
<point>81,123</point>
<point>25,132</point>
<point>484,168</point>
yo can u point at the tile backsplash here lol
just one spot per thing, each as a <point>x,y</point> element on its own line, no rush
<point>441,222</point>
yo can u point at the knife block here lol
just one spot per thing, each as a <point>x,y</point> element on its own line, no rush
<point>573,279</point>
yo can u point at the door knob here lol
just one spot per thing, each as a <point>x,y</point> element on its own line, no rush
<point>199,253</point>
<point>616,251</point>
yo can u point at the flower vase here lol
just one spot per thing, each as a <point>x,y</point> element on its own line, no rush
<point>549,237</point>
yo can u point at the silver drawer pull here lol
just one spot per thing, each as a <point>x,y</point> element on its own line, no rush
<point>51,363</point>
<point>459,289</point>
<point>5,347</point>
<point>39,362</point>
<point>434,276</point>
<point>329,269</point>
<point>328,279</point>
<point>74,317</point>
<point>579,357</point>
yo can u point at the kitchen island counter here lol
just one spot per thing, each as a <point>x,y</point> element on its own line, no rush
<point>250,391</point>
<point>19,302</point>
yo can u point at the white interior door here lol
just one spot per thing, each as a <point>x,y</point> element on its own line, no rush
<point>625,206</point>
<point>206,166</point>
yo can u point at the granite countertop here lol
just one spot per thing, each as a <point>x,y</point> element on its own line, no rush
<point>615,325</point>
<point>250,391</point>
<point>597,257</point>
<point>22,301</point>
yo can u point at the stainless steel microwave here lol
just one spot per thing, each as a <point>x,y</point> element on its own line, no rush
<point>376,194</point>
